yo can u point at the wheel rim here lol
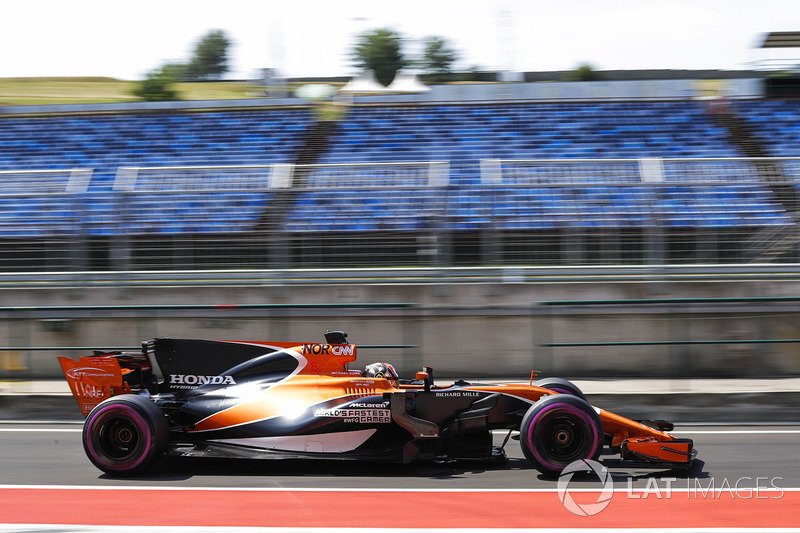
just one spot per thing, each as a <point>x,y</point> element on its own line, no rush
<point>560,435</point>
<point>118,438</point>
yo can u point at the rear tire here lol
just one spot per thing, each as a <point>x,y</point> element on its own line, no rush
<point>125,435</point>
<point>560,429</point>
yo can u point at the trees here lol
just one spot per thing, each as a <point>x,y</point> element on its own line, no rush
<point>380,51</point>
<point>584,72</point>
<point>210,59</point>
<point>209,62</point>
<point>438,58</point>
<point>157,86</point>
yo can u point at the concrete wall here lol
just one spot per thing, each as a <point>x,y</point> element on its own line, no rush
<point>589,90</point>
<point>465,330</point>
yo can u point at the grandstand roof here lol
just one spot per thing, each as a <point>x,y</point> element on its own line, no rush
<point>782,39</point>
<point>406,82</point>
<point>363,83</point>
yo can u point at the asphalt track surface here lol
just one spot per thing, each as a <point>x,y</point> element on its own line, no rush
<point>52,454</point>
<point>745,478</point>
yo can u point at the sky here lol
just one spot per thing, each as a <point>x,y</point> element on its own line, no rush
<point>305,38</point>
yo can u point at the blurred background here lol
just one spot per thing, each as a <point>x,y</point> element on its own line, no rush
<point>486,188</point>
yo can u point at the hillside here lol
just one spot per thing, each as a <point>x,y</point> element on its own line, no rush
<point>44,91</point>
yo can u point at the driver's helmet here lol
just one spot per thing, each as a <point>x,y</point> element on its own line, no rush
<point>380,370</point>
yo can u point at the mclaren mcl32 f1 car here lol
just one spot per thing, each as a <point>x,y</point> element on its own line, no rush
<point>301,400</point>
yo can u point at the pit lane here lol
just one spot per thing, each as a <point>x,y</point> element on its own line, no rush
<point>52,454</point>
<point>745,479</point>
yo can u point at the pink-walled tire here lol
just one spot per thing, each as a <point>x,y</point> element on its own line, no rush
<point>125,435</point>
<point>560,385</point>
<point>558,430</point>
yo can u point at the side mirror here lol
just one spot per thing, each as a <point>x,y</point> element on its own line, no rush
<point>425,378</point>
<point>429,371</point>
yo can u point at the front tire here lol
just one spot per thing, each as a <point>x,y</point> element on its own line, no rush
<point>125,435</point>
<point>558,430</point>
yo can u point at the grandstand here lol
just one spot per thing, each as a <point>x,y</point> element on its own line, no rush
<point>104,143</point>
<point>533,131</point>
<point>589,182</point>
<point>775,123</point>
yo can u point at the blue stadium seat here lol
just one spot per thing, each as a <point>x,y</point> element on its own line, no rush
<point>106,142</point>
<point>460,134</point>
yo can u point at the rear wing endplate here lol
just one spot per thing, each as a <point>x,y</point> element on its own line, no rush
<point>92,380</point>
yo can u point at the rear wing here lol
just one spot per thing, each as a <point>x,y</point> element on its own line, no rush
<point>94,378</point>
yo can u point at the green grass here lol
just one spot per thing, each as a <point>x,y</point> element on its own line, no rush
<point>45,91</point>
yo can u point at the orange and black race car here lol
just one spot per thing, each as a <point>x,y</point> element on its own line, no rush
<point>277,399</point>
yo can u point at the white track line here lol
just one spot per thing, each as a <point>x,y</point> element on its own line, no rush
<point>500,432</point>
<point>70,528</point>
<point>349,489</point>
<point>711,432</point>
<point>41,430</point>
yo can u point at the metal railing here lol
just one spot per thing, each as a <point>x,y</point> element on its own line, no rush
<point>544,213</point>
<point>42,215</point>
